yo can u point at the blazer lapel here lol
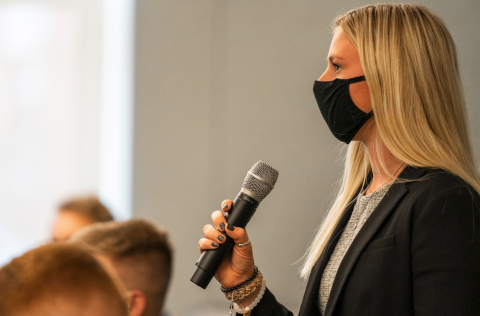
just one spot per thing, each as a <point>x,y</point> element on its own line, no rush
<point>388,203</point>
<point>309,303</point>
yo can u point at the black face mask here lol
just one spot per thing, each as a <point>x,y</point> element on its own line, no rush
<point>343,117</point>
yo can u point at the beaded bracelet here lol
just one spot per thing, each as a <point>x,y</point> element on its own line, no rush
<point>231,289</point>
<point>240,309</point>
<point>242,292</point>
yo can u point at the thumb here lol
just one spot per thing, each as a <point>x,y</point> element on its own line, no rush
<point>238,234</point>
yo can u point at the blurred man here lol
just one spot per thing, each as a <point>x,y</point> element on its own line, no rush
<point>141,256</point>
<point>77,213</point>
<point>59,279</point>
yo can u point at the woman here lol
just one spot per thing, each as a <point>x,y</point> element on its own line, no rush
<point>403,236</point>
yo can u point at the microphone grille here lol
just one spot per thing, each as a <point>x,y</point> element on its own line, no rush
<point>260,181</point>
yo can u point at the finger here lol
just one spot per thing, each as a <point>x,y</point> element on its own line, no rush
<point>238,234</point>
<point>206,244</point>
<point>219,220</point>
<point>211,233</point>
<point>226,205</point>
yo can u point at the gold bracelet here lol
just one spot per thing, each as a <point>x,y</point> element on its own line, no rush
<point>239,294</point>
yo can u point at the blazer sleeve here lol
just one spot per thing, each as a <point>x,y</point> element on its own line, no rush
<point>268,306</point>
<point>445,250</point>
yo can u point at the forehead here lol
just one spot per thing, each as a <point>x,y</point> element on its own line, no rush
<point>67,223</point>
<point>341,46</point>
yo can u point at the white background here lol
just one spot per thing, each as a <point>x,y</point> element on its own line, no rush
<point>65,112</point>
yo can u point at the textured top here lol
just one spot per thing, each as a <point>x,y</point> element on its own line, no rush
<point>365,205</point>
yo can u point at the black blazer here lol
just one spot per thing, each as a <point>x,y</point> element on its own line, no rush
<point>417,254</point>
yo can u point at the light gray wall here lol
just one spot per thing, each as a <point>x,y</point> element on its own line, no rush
<point>221,84</point>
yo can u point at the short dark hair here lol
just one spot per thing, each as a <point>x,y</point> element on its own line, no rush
<point>140,252</point>
<point>45,276</point>
<point>89,206</point>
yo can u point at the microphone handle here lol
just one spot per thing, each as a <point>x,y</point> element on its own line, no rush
<point>240,214</point>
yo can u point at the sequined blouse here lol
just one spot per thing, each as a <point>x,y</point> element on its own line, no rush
<point>364,206</point>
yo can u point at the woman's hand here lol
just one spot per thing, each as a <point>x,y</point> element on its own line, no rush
<point>238,266</point>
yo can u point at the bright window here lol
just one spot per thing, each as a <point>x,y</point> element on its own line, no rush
<point>65,112</point>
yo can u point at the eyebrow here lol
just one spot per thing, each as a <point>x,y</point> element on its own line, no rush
<point>332,57</point>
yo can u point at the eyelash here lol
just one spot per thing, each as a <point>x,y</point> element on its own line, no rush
<point>337,67</point>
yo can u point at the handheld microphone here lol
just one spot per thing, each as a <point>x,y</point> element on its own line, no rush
<point>258,183</point>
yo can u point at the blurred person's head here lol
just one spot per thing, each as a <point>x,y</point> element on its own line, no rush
<point>77,213</point>
<point>59,279</point>
<point>139,253</point>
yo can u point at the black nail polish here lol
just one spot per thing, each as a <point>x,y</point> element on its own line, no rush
<point>230,227</point>
<point>224,206</point>
<point>221,237</point>
<point>214,244</point>
<point>222,225</point>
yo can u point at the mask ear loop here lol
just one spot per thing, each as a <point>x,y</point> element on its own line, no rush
<point>355,79</point>
<point>346,85</point>
<point>369,114</point>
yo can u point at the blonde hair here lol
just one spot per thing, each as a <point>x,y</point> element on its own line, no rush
<point>410,65</point>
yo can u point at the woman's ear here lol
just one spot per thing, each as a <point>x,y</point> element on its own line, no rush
<point>137,303</point>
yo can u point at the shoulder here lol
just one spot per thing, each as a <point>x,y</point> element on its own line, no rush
<point>443,196</point>
<point>436,183</point>
<point>444,243</point>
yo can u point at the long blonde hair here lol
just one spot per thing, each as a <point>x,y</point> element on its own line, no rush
<point>410,65</point>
